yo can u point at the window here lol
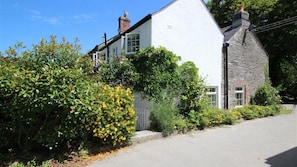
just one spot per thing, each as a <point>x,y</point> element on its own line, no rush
<point>132,43</point>
<point>239,96</point>
<point>212,94</point>
<point>96,59</point>
<point>115,52</point>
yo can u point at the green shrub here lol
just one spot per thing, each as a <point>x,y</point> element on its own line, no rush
<point>230,118</point>
<point>194,119</point>
<point>48,101</point>
<point>157,70</point>
<point>274,109</point>
<point>249,112</point>
<point>112,118</point>
<point>267,95</point>
<point>165,118</point>
<point>215,116</point>
<point>204,122</point>
<point>193,93</point>
<point>162,118</point>
<point>119,72</point>
<point>235,114</point>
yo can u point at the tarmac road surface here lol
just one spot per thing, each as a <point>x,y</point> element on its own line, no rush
<point>262,142</point>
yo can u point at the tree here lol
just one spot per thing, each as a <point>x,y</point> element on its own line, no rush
<point>223,10</point>
<point>279,45</point>
<point>277,42</point>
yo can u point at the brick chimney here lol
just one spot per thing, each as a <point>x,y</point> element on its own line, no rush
<point>124,23</point>
<point>241,18</point>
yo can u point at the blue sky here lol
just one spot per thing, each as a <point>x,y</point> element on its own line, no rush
<point>28,21</point>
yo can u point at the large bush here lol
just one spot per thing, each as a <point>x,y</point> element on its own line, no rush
<point>48,100</point>
<point>112,119</point>
<point>166,118</point>
<point>120,71</point>
<point>193,90</point>
<point>157,70</point>
<point>267,95</point>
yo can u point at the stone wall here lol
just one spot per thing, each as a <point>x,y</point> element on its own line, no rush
<point>246,65</point>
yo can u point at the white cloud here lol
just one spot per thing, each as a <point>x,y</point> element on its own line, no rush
<point>37,16</point>
<point>55,20</point>
<point>84,18</point>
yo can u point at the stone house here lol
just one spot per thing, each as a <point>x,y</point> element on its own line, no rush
<point>244,61</point>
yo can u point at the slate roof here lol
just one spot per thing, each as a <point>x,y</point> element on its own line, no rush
<point>228,32</point>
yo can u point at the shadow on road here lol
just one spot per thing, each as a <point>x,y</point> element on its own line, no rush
<point>284,159</point>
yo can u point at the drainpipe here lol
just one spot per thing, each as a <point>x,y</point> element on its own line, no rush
<point>107,47</point>
<point>225,46</point>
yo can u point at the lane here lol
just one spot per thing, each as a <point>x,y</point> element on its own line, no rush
<point>263,142</point>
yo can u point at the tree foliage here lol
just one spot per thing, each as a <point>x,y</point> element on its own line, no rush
<point>223,10</point>
<point>157,70</point>
<point>118,72</point>
<point>193,91</point>
<point>277,42</point>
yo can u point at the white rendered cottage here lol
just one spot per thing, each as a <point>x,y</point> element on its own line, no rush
<point>184,27</point>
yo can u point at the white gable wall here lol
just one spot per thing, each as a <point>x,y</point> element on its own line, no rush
<point>186,28</point>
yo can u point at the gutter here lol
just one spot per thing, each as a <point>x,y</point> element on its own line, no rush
<point>226,83</point>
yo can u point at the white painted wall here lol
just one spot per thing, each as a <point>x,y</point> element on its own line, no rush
<point>186,28</point>
<point>145,38</point>
<point>145,34</point>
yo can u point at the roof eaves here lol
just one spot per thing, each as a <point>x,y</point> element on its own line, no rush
<point>110,41</point>
<point>139,23</point>
<point>163,8</point>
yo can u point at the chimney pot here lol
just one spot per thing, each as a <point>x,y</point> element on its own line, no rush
<point>241,8</point>
<point>241,18</point>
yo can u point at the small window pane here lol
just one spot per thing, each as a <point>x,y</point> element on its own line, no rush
<point>212,94</point>
<point>212,90</point>
<point>239,96</point>
<point>132,43</point>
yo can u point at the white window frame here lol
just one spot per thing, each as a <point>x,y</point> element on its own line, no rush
<point>95,59</point>
<point>134,47</point>
<point>240,90</point>
<point>123,42</point>
<point>211,93</point>
<point>115,52</point>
